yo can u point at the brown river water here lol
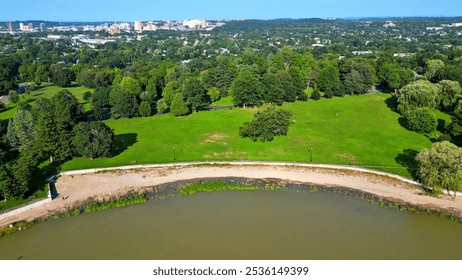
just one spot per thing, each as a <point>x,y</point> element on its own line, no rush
<point>242,225</point>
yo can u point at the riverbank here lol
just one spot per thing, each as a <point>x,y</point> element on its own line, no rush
<point>77,188</point>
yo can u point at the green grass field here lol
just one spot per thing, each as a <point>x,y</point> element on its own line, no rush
<point>44,92</point>
<point>357,130</point>
<point>226,101</point>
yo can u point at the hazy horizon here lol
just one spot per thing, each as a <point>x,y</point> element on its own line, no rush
<point>145,10</point>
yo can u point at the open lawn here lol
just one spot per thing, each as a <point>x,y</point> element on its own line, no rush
<point>357,130</point>
<point>226,101</point>
<point>44,92</point>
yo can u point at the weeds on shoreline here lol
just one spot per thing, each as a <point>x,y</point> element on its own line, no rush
<point>213,186</point>
<point>98,206</point>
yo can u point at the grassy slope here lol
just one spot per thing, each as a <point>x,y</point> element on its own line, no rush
<point>226,101</point>
<point>359,129</point>
<point>45,92</point>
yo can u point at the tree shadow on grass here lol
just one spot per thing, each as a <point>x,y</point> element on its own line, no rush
<point>3,110</point>
<point>403,122</point>
<point>42,177</point>
<point>392,103</point>
<point>123,141</point>
<point>407,160</point>
<point>441,126</point>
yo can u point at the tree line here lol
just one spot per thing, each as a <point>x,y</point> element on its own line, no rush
<point>51,131</point>
<point>142,78</point>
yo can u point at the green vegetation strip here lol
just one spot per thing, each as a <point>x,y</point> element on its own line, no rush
<point>214,186</point>
<point>98,206</point>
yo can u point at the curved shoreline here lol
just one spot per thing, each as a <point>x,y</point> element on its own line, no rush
<point>81,186</point>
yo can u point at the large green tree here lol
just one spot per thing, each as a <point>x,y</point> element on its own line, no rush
<point>298,83</point>
<point>66,109</point>
<point>62,76</point>
<point>170,90</point>
<point>23,125</point>
<point>449,95</point>
<point>54,120</point>
<point>456,126</point>
<point>100,102</point>
<point>123,102</point>
<point>421,120</point>
<point>48,138</point>
<point>196,95</point>
<point>222,75</point>
<point>178,106</point>
<point>273,92</point>
<point>449,72</point>
<point>358,76</point>
<point>8,73</point>
<point>328,78</point>
<point>246,89</point>
<point>432,68</point>
<point>93,139</point>
<point>419,94</point>
<point>393,76</point>
<point>441,167</point>
<point>86,78</point>
<point>130,85</point>
<point>267,124</point>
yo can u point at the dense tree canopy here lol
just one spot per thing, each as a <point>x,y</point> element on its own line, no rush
<point>449,95</point>
<point>267,124</point>
<point>273,91</point>
<point>441,167</point>
<point>196,95</point>
<point>8,73</point>
<point>123,102</point>
<point>419,94</point>
<point>421,120</point>
<point>433,66</point>
<point>92,139</point>
<point>328,78</point>
<point>393,76</point>
<point>179,106</point>
<point>246,89</point>
<point>62,76</point>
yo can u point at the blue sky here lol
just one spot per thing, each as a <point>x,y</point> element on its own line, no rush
<point>131,10</point>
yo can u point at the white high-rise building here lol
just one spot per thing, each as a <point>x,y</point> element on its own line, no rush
<point>21,26</point>
<point>138,26</point>
<point>195,23</point>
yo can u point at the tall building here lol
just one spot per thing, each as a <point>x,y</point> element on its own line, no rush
<point>10,26</point>
<point>195,23</point>
<point>43,27</point>
<point>21,26</point>
<point>31,27</point>
<point>138,26</point>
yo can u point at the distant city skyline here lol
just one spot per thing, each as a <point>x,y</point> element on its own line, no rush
<point>144,10</point>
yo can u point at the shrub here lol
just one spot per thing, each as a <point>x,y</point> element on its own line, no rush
<point>316,95</point>
<point>145,109</point>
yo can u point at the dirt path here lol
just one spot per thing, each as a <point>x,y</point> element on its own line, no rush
<point>77,187</point>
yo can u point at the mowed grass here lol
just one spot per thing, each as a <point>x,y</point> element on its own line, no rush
<point>354,130</point>
<point>44,92</point>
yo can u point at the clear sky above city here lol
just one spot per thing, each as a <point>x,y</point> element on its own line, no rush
<point>131,10</point>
